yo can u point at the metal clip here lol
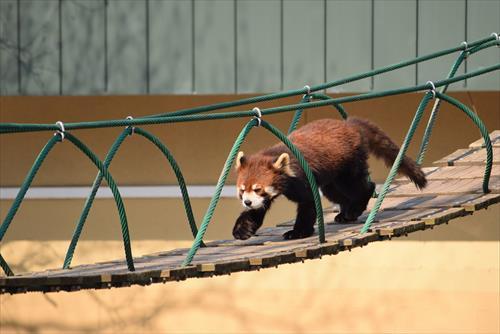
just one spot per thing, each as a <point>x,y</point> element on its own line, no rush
<point>433,88</point>
<point>258,116</point>
<point>61,130</point>
<point>131,127</point>
<point>466,48</point>
<point>497,37</point>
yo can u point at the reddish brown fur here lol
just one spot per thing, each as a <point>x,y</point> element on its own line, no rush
<point>337,153</point>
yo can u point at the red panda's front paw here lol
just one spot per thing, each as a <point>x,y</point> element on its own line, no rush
<point>244,228</point>
<point>297,234</point>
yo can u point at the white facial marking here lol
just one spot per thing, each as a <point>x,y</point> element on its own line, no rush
<point>271,191</point>
<point>256,186</point>
<point>256,200</point>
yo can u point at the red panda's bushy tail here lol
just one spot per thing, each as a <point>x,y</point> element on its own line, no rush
<point>384,148</point>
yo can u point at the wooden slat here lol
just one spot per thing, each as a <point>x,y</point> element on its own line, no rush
<point>450,159</point>
<point>494,137</point>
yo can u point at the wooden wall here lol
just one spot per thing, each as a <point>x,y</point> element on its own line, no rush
<point>85,47</point>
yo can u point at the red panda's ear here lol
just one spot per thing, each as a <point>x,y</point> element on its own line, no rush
<point>283,164</point>
<point>240,160</point>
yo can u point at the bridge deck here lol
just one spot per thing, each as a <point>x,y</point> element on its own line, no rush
<point>454,190</point>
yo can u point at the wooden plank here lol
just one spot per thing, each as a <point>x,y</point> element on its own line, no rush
<point>301,20</point>
<point>478,158</point>
<point>214,47</point>
<point>171,47</point>
<point>446,187</point>
<point>40,47</point>
<point>394,21</point>
<point>9,66</point>
<point>494,137</point>
<point>431,201</point>
<point>348,38</point>
<point>83,47</point>
<point>481,203</point>
<point>440,16</point>
<point>483,18</point>
<point>444,216</point>
<point>258,50</point>
<point>450,159</point>
<point>127,53</point>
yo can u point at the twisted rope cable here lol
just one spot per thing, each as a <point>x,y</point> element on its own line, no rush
<point>437,102</point>
<point>22,192</point>
<point>90,199</point>
<point>16,127</point>
<point>484,133</point>
<point>218,189</point>
<point>397,162</point>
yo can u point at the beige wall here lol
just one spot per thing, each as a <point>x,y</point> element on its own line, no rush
<point>440,281</point>
<point>209,142</point>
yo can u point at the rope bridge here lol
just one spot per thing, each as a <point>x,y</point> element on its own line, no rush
<point>214,258</point>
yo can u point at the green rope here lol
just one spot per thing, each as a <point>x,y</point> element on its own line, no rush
<point>339,107</point>
<point>310,177</point>
<point>218,189</point>
<point>307,90</point>
<point>116,194</point>
<point>178,174</point>
<point>5,267</point>
<point>437,102</point>
<point>16,127</point>
<point>298,114</point>
<point>22,192</point>
<point>90,199</point>
<point>484,133</point>
<point>397,162</point>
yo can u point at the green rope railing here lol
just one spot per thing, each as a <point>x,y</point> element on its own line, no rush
<point>218,189</point>
<point>33,171</point>
<point>16,127</point>
<point>437,102</point>
<point>395,166</point>
<point>308,90</point>
<point>484,133</point>
<point>193,114</point>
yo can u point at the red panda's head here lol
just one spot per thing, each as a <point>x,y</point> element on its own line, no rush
<point>260,178</point>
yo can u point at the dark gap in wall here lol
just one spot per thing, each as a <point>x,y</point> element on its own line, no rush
<point>466,23</point>
<point>282,52</point>
<point>325,55</point>
<point>193,44</point>
<point>416,38</point>
<point>147,73</point>
<point>19,63</point>
<point>235,36</point>
<point>372,55</point>
<point>60,49</point>
<point>106,70</point>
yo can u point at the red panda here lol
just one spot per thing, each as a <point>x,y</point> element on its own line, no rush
<point>337,153</point>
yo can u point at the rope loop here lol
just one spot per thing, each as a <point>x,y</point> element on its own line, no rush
<point>132,128</point>
<point>61,130</point>
<point>258,115</point>
<point>432,89</point>
<point>497,37</point>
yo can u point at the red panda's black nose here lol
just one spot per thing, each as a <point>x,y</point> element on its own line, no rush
<point>247,202</point>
